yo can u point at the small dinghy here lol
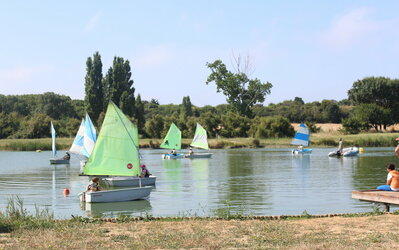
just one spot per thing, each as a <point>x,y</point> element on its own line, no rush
<point>352,151</point>
<point>200,140</point>
<point>56,160</point>
<point>172,141</point>
<point>301,139</point>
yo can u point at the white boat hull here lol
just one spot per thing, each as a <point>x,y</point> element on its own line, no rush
<point>129,181</point>
<point>302,151</point>
<point>198,155</point>
<point>116,195</point>
<point>172,156</point>
<point>352,151</point>
<point>58,161</point>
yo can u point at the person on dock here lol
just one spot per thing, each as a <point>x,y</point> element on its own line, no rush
<point>144,171</point>
<point>392,179</point>
<point>94,185</point>
<point>340,147</point>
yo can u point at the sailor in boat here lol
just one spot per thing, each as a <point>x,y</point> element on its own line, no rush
<point>94,185</point>
<point>392,179</point>
<point>67,156</point>
<point>173,152</point>
<point>144,172</point>
<point>190,151</point>
<point>300,147</point>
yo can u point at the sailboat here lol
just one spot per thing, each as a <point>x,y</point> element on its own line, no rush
<point>301,139</point>
<point>172,141</point>
<point>84,141</point>
<point>115,154</point>
<point>200,140</point>
<point>55,160</point>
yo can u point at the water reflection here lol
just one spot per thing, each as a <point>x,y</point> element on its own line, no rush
<point>115,209</point>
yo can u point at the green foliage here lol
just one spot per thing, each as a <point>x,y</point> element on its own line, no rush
<point>94,98</point>
<point>241,92</point>
<point>312,127</point>
<point>8,124</point>
<point>353,125</point>
<point>118,86</point>
<point>234,125</point>
<point>373,115</point>
<point>154,126</point>
<point>186,107</point>
<point>267,127</point>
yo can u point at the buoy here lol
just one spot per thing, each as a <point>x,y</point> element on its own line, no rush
<point>360,150</point>
<point>66,192</point>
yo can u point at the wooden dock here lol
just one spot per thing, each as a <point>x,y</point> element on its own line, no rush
<point>386,198</point>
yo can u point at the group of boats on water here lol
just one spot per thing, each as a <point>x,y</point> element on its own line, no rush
<point>114,156</point>
<point>301,139</point>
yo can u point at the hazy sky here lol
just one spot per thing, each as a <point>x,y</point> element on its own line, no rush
<point>310,49</point>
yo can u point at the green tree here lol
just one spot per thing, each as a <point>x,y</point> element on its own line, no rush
<point>234,125</point>
<point>55,106</point>
<point>186,107</point>
<point>241,92</point>
<point>94,98</point>
<point>269,127</point>
<point>8,124</point>
<point>140,115</point>
<point>373,116</point>
<point>154,127</point>
<point>118,86</point>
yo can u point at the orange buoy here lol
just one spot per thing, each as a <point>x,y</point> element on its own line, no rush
<point>66,192</point>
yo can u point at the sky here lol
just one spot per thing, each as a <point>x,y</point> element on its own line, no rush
<point>310,49</point>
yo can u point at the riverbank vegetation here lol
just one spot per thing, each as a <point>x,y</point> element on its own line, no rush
<point>321,139</point>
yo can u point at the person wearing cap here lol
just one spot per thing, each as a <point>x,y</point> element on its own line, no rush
<point>397,147</point>
<point>144,171</point>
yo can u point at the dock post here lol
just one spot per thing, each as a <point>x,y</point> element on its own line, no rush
<point>386,205</point>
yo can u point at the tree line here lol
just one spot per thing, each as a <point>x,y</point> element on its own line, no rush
<point>371,103</point>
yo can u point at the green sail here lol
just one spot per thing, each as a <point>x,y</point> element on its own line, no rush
<point>116,150</point>
<point>200,139</point>
<point>173,138</point>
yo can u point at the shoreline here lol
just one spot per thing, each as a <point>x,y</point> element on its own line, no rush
<point>323,139</point>
<point>351,231</point>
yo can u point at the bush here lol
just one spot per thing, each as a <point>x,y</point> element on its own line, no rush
<point>267,127</point>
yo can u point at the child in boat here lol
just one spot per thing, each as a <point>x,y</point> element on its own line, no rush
<point>173,152</point>
<point>392,179</point>
<point>190,151</point>
<point>144,171</point>
<point>94,185</point>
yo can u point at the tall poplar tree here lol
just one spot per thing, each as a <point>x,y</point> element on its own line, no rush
<point>186,107</point>
<point>94,98</point>
<point>119,87</point>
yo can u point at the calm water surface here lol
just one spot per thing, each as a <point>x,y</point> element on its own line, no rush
<point>248,181</point>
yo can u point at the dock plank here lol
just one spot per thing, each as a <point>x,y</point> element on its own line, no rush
<point>386,197</point>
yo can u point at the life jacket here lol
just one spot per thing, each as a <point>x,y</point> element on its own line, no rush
<point>395,179</point>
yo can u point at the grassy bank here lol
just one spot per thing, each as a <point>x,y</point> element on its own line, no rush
<point>368,232</point>
<point>20,230</point>
<point>322,139</point>
<point>363,140</point>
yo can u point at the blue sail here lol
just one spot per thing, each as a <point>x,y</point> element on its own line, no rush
<point>301,136</point>
<point>89,138</point>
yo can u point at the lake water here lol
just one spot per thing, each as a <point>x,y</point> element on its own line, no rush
<point>247,181</point>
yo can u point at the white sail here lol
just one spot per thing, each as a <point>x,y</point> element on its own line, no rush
<point>89,138</point>
<point>77,144</point>
<point>53,140</point>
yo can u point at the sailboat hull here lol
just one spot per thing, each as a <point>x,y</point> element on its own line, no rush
<point>58,161</point>
<point>129,181</point>
<point>198,155</point>
<point>302,151</point>
<point>172,156</point>
<point>116,195</point>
